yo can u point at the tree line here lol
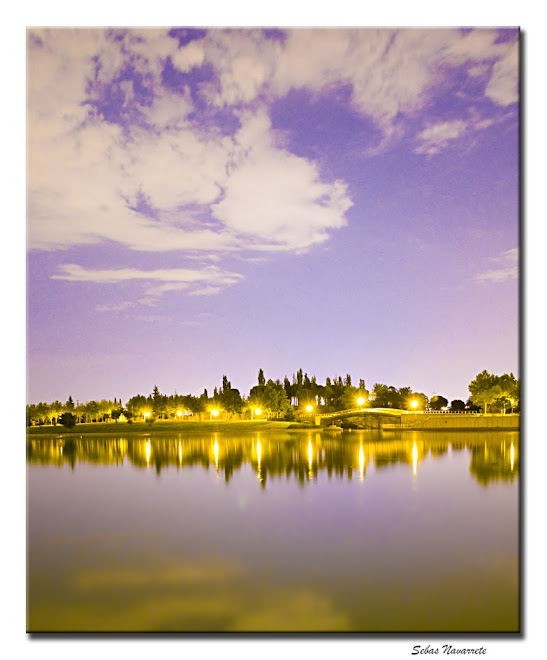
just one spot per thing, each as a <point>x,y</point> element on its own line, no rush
<point>278,399</point>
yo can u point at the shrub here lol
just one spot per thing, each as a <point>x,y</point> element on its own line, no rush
<point>68,420</point>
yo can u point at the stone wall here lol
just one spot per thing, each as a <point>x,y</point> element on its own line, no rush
<point>424,421</point>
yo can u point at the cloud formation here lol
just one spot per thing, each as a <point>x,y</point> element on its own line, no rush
<point>164,144</point>
<point>196,282</point>
<point>508,270</point>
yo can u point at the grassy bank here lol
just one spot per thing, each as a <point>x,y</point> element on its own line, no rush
<point>109,428</point>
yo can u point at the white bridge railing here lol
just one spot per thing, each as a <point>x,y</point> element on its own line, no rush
<point>396,412</point>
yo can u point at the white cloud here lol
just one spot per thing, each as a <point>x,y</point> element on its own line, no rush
<point>206,291</point>
<point>76,273</point>
<point>244,62</point>
<point>116,307</point>
<point>160,181</point>
<point>189,56</point>
<point>390,71</point>
<point>509,269</point>
<point>176,168</point>
<point>88,179</point>
<point>503,86</point>
<point>436,136</point>
<point>275,196</point>
<point>208,280</point>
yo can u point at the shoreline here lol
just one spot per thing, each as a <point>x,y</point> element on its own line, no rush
<point>169,427</point>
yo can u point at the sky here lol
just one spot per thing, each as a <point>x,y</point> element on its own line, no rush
<point>209,202</point>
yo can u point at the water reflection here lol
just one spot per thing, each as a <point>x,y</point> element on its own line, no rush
<point>426,540</point>
<point>361,463</point>
<point>215,449</point>
<point>493,462</point>
<point>414,458</point>
<point>299,456</point>
<point>148,451</point>
<point>259,459</point>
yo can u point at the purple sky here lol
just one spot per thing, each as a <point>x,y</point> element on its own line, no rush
<point>204,203</point>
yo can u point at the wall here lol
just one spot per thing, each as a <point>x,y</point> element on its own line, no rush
<point>455,422</point>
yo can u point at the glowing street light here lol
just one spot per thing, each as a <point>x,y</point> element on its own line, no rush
<point>361,400</point>
<point>309,408</point>
<point>146,415</point>
<point>255,411</point>
<point>214,413</point>
<point>414,404</point>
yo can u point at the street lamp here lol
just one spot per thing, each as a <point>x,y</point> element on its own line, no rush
<point>145,415</point>
<point>361,400</point>
<point>414,404</point>
<point>214,413</point>
<point>179,413</point>
<point>309,408</point>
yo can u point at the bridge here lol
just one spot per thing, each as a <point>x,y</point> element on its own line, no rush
<point>377,418</point>
<point>377,413</point>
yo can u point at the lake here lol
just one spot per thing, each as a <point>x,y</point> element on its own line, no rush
<point>274,531</point>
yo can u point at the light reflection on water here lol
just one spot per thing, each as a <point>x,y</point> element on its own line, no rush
<point>426,539</point>
<point>283,453</point>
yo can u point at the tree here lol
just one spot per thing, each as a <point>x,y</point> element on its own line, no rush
<point>92,410</point>
<point>231,401</point>
<point>69,405</point>
<point>68,420</point>
<point>437,402</point>
<point>275,398</point>
<point>31,413</point>
<point>159,402</point>
<point>55,410</point>
<point>137,405</point>
<point>485,389</point>
<point>510,387</point>
<point>471,407</point>
<point>261,378</point>
<point>288,388</point>
<point>457,405</point>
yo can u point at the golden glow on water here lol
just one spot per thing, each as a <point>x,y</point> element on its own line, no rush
<point>310,454</point>
<point>148,451</point>
<point>414,458</point>
<point>227,551</point>
<point>259,458</point>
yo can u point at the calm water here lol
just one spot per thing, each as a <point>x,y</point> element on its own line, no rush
<point>274,531</point>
